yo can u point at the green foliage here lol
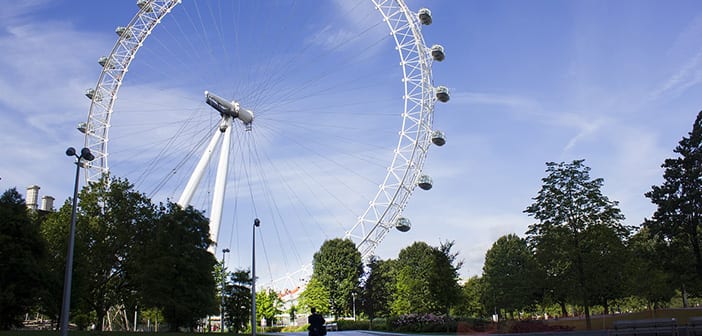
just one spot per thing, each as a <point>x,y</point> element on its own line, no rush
<point>472,293</point>
<point>353,325</point>
<point>572,215</point>
<point>110,215</point>
<point>315,295</point>
<point>338,268</point>
<point>413,289</point>
<point>649,279</point>
<point>378,288</point>
<point>176,268</point>
<point>604,249</point>
<point>422,323</point>
<point>129,252</point>
<point>54,230</point>
<point>268,305</point>
<point>444,276</point>
<point>510,275</point>
<point>237,301</point>
<point>677,221</point>
<point>22,255</point>
<point>426,279</point>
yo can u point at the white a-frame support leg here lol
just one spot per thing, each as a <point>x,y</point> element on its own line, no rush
<point>225,131</point>
<point>220,184</point>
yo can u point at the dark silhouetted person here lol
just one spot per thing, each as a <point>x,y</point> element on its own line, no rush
<point>316,322</point>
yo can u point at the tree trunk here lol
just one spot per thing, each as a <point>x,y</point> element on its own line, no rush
<point>564,309</point>
<point>100,317</point>
<point>588,321</point>
<point>605,305</point>
<point>684,295</point>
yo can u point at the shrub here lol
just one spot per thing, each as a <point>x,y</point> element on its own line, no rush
<point>295,328</point>
<point>422,323</point>
<point>379,323</point>
<point>353,325</point>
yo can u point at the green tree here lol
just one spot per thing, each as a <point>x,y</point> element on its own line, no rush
<point>268,305</point>
<point>471,299</point>
<point>426,279</point>
<point>111,213</point>
<point>678,219</point>
<point>567,206</point>
<point>649,280</point>
<point>315,295</point>
<point>378,287</point>
<point>109,217</point>
<point>176,270</point>
<point>54,230</point>
<point>413,288</point>
<point>237,300</point>
<point>510,275</point>
<point>338,268</point>
<point>604,249</point>
<point>22,255</point>
<point>444,275</point>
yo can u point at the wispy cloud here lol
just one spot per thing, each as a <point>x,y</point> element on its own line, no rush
<point>485,98</point>
<point>15,10</point>
<point>688,73</point>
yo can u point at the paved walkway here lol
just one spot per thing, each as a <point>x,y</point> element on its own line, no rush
<point>382,333</point>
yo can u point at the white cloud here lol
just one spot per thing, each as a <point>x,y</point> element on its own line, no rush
<point>13,11</point>
<point>44,70</point>
<point>688,75</point>
<point>687,71</point>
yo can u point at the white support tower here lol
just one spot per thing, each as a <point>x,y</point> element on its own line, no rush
<point>228,111</point>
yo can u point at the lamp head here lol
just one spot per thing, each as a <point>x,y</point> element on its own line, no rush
<point>71,151</point>
<point>86,154</point>
<point>257,222</point>
<point>226,250</point>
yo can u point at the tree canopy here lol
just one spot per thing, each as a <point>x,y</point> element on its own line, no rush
<point>237,300</point>
<point>129,252</point>
<point>337,267</point>
<point>378,288</point>
<point>426,279</point>
<point>570,210</point>
<point>510,275</point>
<point>22,255</point>
<point>677,221</point>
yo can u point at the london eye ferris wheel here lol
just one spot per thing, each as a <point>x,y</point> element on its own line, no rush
<point>316,117</point>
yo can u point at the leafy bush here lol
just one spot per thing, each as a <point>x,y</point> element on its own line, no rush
<point>380,324</point>
<point>422,323</point>
<point>299,328</point>
<point>353,325</point>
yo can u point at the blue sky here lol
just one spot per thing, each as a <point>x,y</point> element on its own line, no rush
<point>615,83</point>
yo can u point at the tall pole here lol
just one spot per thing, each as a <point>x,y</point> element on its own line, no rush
<point>257,223</point>
<point>353,294</point>
<point>68,275</point>
<point>221,307</point>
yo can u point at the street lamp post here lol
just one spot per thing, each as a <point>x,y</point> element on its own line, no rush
<point>85,155</point>
<point>221,307</point>
<point>257,223</point>
<point>353,294</point>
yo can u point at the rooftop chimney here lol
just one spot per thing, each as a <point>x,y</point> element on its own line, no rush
<point>32,197</point>
<point>47,203</point>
